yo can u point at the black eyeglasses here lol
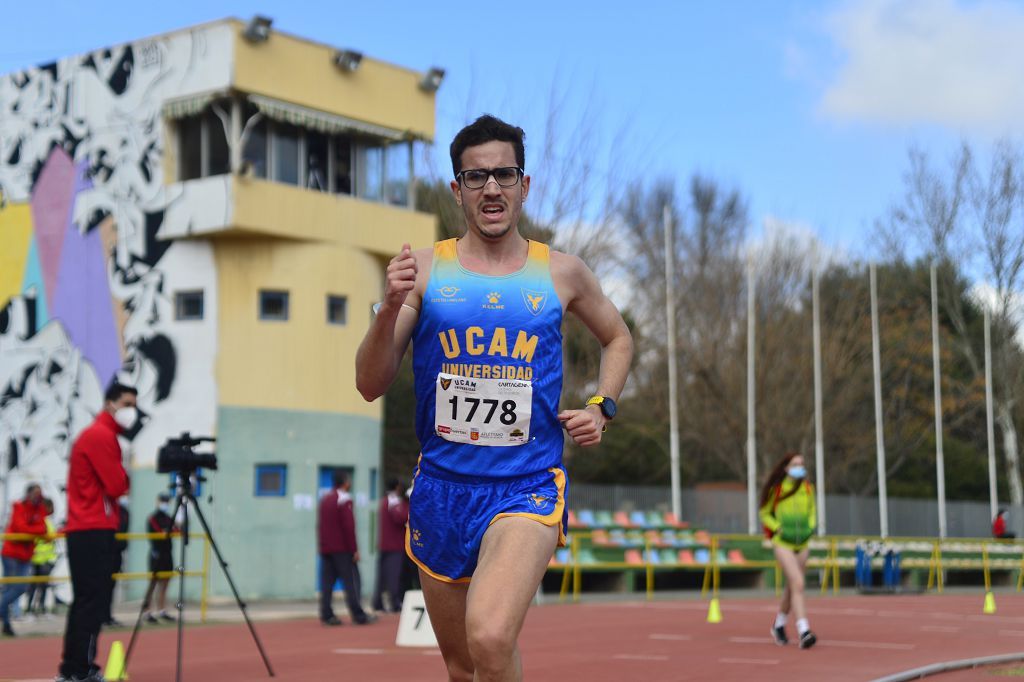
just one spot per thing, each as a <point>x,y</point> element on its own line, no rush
<point>477,177</point>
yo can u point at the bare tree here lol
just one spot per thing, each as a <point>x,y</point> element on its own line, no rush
<point>948,217</point>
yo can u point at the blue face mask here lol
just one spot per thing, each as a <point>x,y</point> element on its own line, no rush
<point>797,472</point>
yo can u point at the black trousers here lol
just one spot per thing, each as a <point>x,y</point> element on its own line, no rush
<point>91,560</point>
<point>389,579</point>
<point>118,564</point>
<point>332,567</point>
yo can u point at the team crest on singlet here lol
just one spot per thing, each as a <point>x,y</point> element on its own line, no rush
<point>534,300</point>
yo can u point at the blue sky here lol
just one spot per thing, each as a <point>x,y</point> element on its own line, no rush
<point>807,107</point>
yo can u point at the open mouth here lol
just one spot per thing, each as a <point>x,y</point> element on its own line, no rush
<point>493,211</point>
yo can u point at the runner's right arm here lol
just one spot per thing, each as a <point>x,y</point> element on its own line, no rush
<point>380,354</point>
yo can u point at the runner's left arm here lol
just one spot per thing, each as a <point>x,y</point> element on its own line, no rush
<point>590,304</point>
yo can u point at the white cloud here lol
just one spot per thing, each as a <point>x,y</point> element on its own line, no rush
<point>955,64</point>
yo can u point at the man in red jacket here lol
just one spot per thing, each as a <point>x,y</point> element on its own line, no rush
<point>339,553</point>
<point>392,517</point>
<point>96,478</point>
<point>27,516</point>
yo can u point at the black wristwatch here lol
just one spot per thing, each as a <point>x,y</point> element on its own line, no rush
<point>607,405</point>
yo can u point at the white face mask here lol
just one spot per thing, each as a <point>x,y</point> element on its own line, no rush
<point>164,507</point>
<point>125,417</point>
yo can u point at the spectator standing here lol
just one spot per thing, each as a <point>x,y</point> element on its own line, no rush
<point>392,517</point>
<point>96,478</point>
<point>160,558</point>
<point>27,516</point>
<point>120,545</point>
<point>339,553</point>
<point>44,557</point>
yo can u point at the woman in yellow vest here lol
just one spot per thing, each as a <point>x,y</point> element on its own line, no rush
<point>789,518</point>
<point>43,559</point>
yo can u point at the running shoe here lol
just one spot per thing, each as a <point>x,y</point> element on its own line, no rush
<point>807,640</point>
<point>779,635</point>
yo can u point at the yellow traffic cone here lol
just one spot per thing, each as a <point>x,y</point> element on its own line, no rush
<point>115,663</point>
<point>990,604</point>
<point>714,611</point>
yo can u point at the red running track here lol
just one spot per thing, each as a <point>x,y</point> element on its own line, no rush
<point>860,638</point>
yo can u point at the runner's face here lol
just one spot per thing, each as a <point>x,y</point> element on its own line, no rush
<point>491,211</point>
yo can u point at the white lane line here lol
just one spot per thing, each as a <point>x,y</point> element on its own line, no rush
<point>431,652</point>
<point>360,652</point>
<point>832,642</point>
<point>639,657</point>
<point>750,661</point>
<point>673,638</point>
<point>941,628</point>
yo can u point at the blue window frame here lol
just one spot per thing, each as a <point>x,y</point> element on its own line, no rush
<point>271,480</point>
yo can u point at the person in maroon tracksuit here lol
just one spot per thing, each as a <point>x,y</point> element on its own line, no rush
<point>27,516</point>
<point>339,553</point>
<point>391,519</point>
<point>96,479</point>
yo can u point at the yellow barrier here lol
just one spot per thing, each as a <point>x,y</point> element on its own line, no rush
<point>203,573</point>
<point>825,556</point>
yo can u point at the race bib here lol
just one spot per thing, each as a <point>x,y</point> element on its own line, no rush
<point>492,412</point>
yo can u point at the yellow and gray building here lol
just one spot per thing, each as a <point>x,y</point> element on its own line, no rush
<point>206,215</point>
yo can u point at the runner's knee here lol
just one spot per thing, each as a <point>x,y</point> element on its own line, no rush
<point>490,645</point>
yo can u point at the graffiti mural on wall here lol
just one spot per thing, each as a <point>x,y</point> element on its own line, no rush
<point>86,285</point>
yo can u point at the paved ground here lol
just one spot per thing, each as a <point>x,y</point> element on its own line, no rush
<point>861,638</point>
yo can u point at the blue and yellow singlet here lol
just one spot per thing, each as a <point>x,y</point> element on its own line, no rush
<point>487,358</point>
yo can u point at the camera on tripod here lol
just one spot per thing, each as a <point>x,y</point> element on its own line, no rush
<point>177,455</point>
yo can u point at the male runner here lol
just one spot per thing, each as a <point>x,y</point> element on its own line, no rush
<point>484,313</point>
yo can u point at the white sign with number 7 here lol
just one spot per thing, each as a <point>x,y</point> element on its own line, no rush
<point>414,628</point>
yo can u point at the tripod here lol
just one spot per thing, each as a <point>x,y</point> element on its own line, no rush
<point>185,499</point>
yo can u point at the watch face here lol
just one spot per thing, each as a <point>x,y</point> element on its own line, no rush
<point>609,408</point>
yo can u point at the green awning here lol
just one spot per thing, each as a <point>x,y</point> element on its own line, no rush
<point>321,121</point>
<point>184,107</point>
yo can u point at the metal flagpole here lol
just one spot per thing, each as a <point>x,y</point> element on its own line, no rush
<point>670,315</point>
<point>819,442</point>
<point>883,503</point>
<point>940,462</point>
<point>751,424</point>
<point>993,494</point>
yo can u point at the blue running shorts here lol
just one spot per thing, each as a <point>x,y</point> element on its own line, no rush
<point>449,514</point>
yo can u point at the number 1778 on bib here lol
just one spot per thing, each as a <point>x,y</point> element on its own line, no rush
<point>494,412</point>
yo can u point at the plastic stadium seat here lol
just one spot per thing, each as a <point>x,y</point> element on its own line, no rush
<point>652,536</point>
<point>684,538</point>
<point>702,555</point>
<point>686,557</point>
<point>654,520</point>
<point>603,519</point>
<point>633,557</point>
<point>634,538</point>
<point>702,537</point>
<point>736,557</point>
<point>573,521</point>
<point>668,537</point>
<point>668,556</point>
<point>617,536</point>
<point>586,518</point>
<point>621,519</point>
<point>587,557</point>
<point>722,558</point>
<point>673,522</point>
<point>639,519</point>
<point>563,555</point>
<point>599,537</point>
<point>652,557</point>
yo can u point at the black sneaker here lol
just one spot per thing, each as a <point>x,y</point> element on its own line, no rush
<point>150,618</point>
<point>807,640</point>
<point>168,617</point>
<point>368,619</point>
<point>779,635</point>
<point>8,631</point>
<point>333,620</point>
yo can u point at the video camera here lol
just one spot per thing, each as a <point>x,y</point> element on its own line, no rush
<point>177,456</point>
